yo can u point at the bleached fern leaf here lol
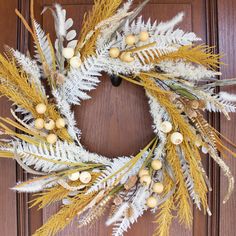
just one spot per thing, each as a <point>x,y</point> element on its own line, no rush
<point>186,70</point>
<point>169,25</point>
<point>65,110</point>
<point>30,67</point>
<point>177,36</point>
<point>35,185</point>
<point>26,115</point>
<point>148,54</point>
<point>107,178</point>
<point>189,181</point>
<point>216,103</point>
<point>44,45</point>
<point>227,96</point>
<point>65,152</point>
<point>137,207</point>
<point>84,79</point>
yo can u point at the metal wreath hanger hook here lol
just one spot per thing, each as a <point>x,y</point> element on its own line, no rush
<point>116,80</point>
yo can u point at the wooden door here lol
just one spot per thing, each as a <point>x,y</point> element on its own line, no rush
<point>115,121</point>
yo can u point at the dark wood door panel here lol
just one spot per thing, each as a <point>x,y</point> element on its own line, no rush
<point>227,45</point>
<point>8,209</point>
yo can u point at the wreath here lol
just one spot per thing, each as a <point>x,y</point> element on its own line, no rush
<point>179,78</point>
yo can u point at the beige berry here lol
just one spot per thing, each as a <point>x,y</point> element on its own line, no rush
<point>51,138</point>
<point>143,36</point>
<point>49,124</point>
<point>75,62</point>
<point>156,165</point>
<point>145,180</point>
<point>114,52</point>
<point>143,172</point>
<point>130,40</point>
<point>60,123</point>
<point>166,127</point>
<point>59,78</point>
<point>85,177</point>
<point>41,108</point>
<point>151,202</point>
<point>158,188</point>
<point>126,57</point>
<point>205,149</point>
<point>176,138</point>
<point>68,52</point>
<point>39,123</point>
<point>74,176</point>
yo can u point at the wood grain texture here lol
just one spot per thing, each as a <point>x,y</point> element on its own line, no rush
<point>8,210</point>
<point>227,43</point>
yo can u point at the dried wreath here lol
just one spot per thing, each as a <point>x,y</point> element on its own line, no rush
<point>179,78</point>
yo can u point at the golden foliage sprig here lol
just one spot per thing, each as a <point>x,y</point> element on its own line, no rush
<point>165,215</point>
<point>102,9</point>
<point>181,195</point>
<point>200,54</point>
<point>53,194</point>
<point>16,86</point>
<point>189,148</point>
<point>49,196</point>
<point>193,157</point>
<point>67,213</point>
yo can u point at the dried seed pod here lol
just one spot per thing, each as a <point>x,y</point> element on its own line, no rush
<point>131,182</point>
<point>117,201</point>
<point>195,104</point>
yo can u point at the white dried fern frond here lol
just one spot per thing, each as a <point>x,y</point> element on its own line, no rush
<point>215,103</point>
<point>227,96</point>
<point>169,25</point>
<point>30,67</point>
<point>189,181</point>
<point>188,71</point>
<point>61,151</point>
<point>107,178</point>
<point>65,110</point>
<point>150,53</point>
<point>26,115</point>
<point>137,207</point>
<point>159,115</point>
<point>35,185</point>
<point>84,79</point>
<point>44,45</point>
